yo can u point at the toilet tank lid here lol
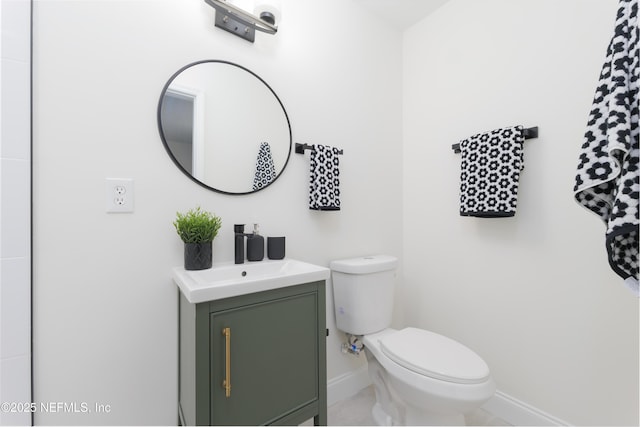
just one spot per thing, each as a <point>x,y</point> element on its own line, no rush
<point>365,264</point>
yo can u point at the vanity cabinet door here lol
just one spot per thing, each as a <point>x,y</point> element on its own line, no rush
<point>273,363</point>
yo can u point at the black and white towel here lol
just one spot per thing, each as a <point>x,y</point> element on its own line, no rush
<point>607,176</point>
<point>265,170</point>
<point>324,179</point>
<point>490,172</point>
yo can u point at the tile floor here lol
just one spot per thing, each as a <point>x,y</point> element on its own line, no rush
<point>356,411</point>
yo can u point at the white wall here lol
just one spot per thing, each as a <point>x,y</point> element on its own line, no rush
<point>105,320</point>
<point>15,210</point>
<point>532,294</point>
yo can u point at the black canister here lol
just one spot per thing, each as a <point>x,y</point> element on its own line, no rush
<point>275,247</point>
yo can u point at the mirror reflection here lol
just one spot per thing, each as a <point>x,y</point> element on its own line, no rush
<point>224,127</point>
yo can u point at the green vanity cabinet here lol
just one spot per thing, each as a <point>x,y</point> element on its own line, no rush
<point>268,347</point>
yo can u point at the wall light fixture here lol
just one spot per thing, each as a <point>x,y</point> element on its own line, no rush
<point>244,24</point>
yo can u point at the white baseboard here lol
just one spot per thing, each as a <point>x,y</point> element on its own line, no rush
<point>346,385</point>
<point>518,413</point>
<point>503,406</point>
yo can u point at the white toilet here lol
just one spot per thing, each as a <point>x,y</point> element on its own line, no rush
<point>420,377</point>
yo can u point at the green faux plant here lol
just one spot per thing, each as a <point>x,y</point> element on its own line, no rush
<point>197,226</point>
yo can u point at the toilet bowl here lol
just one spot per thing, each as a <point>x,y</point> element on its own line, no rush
<point>420,377</point>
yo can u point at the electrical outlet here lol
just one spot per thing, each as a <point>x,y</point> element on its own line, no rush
<point>119,195</point>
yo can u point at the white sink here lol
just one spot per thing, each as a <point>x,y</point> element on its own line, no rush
<point>229,280</point>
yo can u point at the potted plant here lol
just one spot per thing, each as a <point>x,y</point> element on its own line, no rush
<point>197,229</point>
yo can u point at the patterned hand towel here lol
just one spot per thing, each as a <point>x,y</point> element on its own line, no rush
<point>490,173</point>
<point>607,180</point>
<point>265,171</point>
<point>324,183</point>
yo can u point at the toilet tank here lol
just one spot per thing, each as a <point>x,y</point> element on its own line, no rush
<point>363,293</point>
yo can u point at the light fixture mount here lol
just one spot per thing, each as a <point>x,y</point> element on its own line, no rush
<point>227,23</point>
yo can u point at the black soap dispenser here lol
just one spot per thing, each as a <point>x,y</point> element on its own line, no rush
<point>255,245</point>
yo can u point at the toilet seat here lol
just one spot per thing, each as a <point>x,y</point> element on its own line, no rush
<point>435,356</point>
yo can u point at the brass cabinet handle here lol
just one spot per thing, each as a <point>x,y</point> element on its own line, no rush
<point>226,383</point>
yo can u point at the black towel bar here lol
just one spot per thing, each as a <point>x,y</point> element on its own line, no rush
<point>529,133</point>
<point>300,148</point>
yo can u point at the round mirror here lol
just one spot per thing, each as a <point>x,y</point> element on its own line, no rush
<point>224,127</point>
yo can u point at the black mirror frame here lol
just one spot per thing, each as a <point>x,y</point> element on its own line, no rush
<point>173,158</point>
